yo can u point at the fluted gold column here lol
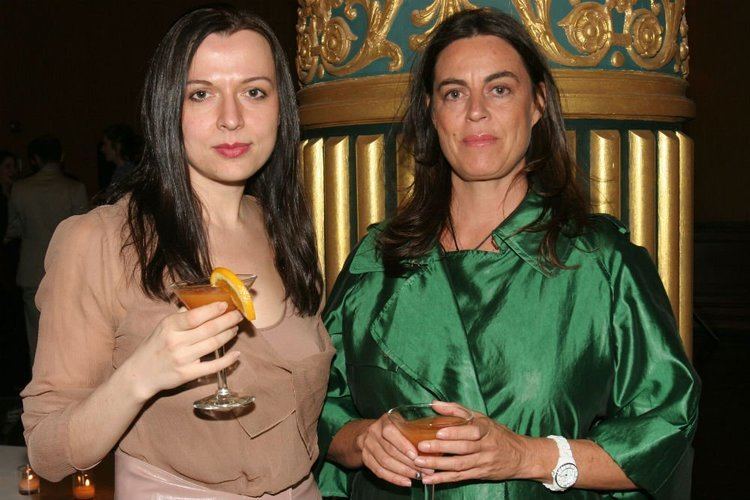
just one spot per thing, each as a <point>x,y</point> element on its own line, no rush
<point>668,232</point>
<point>404,171</point>
<point>642,191</point>
<point>314,181</point>
<point>370,181</point>
<point>337,239</point>
<point>686,242</point>
<point>605,172</point>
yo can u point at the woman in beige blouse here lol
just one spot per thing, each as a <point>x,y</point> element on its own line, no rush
<point>118,364</point>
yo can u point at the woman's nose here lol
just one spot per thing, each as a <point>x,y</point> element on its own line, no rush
<point>230,117</point>
<point>477,109</point>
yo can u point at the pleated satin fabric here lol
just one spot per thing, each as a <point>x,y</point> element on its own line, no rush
<point>590,352</point>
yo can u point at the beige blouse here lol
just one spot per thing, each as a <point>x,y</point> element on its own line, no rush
<point>94,315</point>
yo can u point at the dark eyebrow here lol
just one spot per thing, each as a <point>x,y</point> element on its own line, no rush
<point>493,76</point>
<point>246,80</point>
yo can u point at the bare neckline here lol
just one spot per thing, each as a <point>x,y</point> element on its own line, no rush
<point>274,325</point>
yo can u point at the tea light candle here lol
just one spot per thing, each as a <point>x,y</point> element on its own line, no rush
<point>83,486</point>
<point>28,482</point>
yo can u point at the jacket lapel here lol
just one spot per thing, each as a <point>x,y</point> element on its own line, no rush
<point>420,329</point>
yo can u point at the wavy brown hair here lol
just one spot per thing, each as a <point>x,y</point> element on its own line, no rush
<point>165,222</point>
<point>550,169</point>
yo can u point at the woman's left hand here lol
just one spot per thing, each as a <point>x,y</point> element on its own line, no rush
<point>481,450</point>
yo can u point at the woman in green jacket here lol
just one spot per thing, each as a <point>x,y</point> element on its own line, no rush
<point>493,288</point>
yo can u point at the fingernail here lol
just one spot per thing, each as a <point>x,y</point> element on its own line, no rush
<point>411,454</point>
<point>420,461</point>
<point>222,306</point>
<point>441,434</point>
<point>424,446</point>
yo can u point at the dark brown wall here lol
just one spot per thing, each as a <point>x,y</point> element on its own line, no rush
<point>718,85</point>
<point>71,67</point>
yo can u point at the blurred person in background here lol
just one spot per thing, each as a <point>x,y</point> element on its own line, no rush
<point>121,147</point>
<point>37,205</point>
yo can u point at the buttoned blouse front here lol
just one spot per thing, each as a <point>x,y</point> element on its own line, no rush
<point>94,315</point>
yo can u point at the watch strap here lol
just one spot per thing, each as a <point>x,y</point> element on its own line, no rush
<point>564,457</point>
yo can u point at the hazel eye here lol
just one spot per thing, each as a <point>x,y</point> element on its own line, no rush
<point>452,95</point>
<point>199,95</point>
<point>500,90</point>
<point>256,93</point>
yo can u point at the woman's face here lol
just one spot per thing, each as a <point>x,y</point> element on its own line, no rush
<point>483,107</point>
<point>231,110</point>
<point>108,149</point>
<point>8,170</point>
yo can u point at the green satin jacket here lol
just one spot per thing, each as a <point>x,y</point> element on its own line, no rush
<point>590,352</point>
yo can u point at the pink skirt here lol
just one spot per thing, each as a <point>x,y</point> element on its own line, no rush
<point>136,479</point>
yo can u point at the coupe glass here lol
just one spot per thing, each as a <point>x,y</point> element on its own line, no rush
<point>421,422</point>
<point>199,293</point>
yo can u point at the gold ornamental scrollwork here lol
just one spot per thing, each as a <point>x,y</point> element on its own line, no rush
<point>324,42</point>
<point>434,13</point>
<point>589,29</point>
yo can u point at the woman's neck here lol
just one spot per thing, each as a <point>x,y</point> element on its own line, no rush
<point>222,203</point>
<point>478,207</point>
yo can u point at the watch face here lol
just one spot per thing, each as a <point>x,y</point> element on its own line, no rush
<point>566,475</point>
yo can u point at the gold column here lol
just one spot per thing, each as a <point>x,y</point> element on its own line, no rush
<point>404,170</point>
<point>370,182</point>
<point>668,181</point>
<point>605,172</point>
<point>642,192</point>
<point>314,182</point>
<point>685,319</point>
<point>337,240</point>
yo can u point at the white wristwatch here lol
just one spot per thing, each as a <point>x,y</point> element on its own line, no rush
<point>565,473</point>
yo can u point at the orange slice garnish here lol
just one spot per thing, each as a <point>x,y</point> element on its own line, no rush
<point>241,298</point>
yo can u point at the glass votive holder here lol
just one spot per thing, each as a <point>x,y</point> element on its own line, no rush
<point>28,481</point>
<point>83,486</point>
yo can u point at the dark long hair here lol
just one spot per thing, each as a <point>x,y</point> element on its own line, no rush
<point>165,222</point>
<point>417,225</point>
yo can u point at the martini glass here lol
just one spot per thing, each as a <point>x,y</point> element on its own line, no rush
<point>199,293</point>
<point>421,422</point>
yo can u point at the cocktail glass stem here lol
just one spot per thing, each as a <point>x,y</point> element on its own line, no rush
<point>429,491</point>
<point>221,375</point>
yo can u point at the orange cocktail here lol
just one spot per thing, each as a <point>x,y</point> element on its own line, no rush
<point>426,428</point>
<point>201,295</point>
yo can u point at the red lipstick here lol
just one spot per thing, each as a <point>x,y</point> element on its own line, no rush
<point>479,140</point>
<point>232,150</point>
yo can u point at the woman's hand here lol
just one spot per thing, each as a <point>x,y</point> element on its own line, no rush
<point>481,450</point>
<point>171,355</point>
<point>388,454</point>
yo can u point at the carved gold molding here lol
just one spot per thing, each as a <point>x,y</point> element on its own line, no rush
<point>324,42</point>
<point>589,29</point>
<point>621,95</point>
<point>437,11</point>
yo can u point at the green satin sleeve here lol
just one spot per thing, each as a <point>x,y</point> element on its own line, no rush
<point>338,409</point>
<point>653,405</point>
